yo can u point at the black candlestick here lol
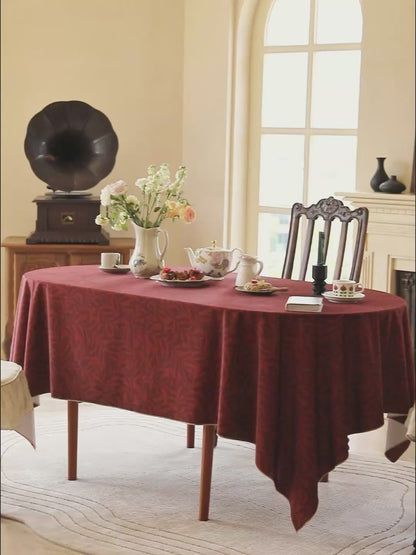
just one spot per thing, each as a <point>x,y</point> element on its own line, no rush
<point>319,275</point>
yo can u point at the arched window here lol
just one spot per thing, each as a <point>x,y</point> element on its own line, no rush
<point>304,114</point>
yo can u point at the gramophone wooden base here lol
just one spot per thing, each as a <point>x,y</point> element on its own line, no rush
<point>68,219</point>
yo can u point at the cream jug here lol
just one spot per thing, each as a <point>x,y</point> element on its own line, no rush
<point>249,268</point>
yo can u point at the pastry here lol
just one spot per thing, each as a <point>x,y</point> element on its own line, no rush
<point>182,275</point>
<point>258,285</point>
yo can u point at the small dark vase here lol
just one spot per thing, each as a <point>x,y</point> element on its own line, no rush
<point>392,186</point>
<point>380,176</point>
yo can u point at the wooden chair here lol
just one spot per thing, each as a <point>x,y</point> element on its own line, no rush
<point>329,209</point>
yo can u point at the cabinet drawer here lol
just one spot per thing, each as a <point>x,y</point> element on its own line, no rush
<point>77,258</point>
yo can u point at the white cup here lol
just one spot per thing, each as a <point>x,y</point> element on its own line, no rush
<point>346,288</point>
<point>110,259</point>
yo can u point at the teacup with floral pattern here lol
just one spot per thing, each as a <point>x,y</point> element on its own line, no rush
<point>346,288</point>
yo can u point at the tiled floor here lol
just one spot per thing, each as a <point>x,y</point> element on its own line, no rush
<point>18,539</point>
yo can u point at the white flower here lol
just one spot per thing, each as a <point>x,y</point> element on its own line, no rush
<point>123,217</point>
<point>180,174</point>
<point>141,183</point>
<point>118,188</point>
<point>101,220</point>
<point>105,195</point>
<point>132,199</point>
<point>159,198</point>
<point>164,175</point>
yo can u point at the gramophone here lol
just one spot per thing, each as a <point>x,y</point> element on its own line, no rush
<point>71,146</point>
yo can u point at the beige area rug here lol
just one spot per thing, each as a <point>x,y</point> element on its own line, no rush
<point>138,488</point>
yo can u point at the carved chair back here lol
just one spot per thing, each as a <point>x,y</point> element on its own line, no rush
<point>328,209</point>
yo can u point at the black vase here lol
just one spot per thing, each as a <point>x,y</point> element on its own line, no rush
<point>380,176</point>
<point>392,186</point>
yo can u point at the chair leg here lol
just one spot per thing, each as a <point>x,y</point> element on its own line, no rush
<point>190,435</point>
<point>325,478</point>
<point>72,439</point>
<point>208,441</point>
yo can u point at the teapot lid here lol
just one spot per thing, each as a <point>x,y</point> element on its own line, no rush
<point>214,247</point>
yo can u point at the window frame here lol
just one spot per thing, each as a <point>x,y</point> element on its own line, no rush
<point>256,131</point>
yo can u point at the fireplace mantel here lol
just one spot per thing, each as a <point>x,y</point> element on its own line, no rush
<point>390,244</point>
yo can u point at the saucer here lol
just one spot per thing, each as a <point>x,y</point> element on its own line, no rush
<point>260,292</point>
<point>329,296</point>
<point>118,269</point>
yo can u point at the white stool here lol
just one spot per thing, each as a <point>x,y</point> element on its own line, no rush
<point>16,402</point>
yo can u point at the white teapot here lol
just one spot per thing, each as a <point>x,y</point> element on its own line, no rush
<point>250,268</point>
<point>213,261</point>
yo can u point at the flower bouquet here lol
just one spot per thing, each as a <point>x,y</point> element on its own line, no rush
<point>159,198</point>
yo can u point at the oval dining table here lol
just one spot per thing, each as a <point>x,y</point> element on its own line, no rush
<point>294,384</point>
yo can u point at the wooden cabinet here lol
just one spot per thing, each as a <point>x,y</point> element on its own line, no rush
<point>21,258</point>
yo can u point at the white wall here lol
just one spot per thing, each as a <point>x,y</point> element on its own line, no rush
<point>207,81</point>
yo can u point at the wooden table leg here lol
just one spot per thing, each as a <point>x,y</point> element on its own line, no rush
<point>190,435</point>
<point>72,439</point>
<point>208,441</point>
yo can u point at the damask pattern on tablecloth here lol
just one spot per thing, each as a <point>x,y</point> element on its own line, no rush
<point>294,384</point>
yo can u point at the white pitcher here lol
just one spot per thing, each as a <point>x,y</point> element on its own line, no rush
<point>249,268</point>
<point>147,258</point>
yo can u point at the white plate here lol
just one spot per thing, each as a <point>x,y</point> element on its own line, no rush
<point>329,296</point>
<point>261,292</point>
<point>119,269</point>
<point>182,282</point>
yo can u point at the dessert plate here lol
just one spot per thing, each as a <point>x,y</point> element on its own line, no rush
<point>260,292</point>
<point>119,269</point>
<point>182,282</point>
<point>329,296</point>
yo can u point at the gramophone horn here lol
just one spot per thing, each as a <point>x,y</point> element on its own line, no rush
<point>70,145</point>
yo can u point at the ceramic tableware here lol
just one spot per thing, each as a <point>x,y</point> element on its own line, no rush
<point>346,288</point>
<point>248,269</point>
<point>213,261</point>
<point>182,282</point>
<point>356,298</point>
<point>110,259</point>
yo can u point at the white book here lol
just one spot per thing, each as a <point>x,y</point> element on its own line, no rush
<point>304,304</point>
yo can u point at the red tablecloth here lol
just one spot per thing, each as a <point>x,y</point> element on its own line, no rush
<point>294,384</point>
